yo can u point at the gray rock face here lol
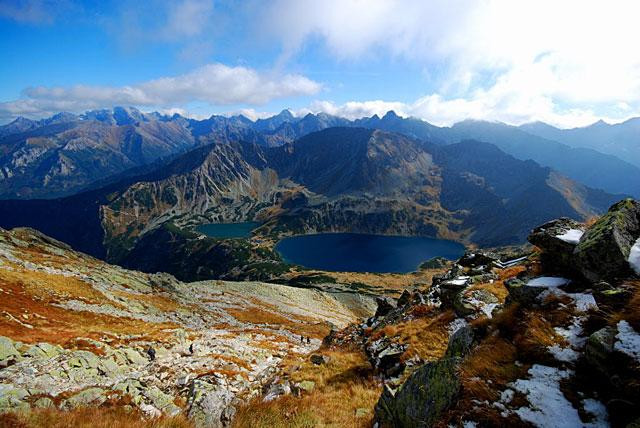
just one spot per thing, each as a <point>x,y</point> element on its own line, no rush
<point>557,239</point>
<point>422,398</point>
<point>209,405</point>
<point>385,306</point>
<point>8,352</point>
<point>603,251</point>
<point>385,356</point>
<point>599,349</point>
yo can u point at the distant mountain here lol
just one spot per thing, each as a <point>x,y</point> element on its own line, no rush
<point>338,180</point>
<point>68,153</point>
<point>586,166</point>
<point>621,140</point>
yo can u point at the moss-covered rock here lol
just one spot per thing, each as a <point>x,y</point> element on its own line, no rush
<point>422,398</point>
<point>603,251</point>
<point>557,246</point>
<point>8,352</point>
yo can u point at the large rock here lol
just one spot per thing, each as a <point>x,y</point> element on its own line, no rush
<point>558,239</point>
<point>422,398</point>
<point>599,349</point>
<point>210,405</point>
<point>385,356</point>
<point>603,251</point>
<point>8,352</point>
<point>87,397</point>
<point>385,305</point>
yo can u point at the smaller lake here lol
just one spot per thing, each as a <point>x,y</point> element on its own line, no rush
<point>228,230</point>
<point>354,252</point>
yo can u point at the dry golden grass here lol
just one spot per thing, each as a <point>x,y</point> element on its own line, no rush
<point>33,318</point>
<point>90,417</point>
<point>295,324</point>
<point>157,300</point>
<point>51,287</point>
<point>631,311</point>
<point>342,386</point>
<point>232,359</point>
<point>427,336</point>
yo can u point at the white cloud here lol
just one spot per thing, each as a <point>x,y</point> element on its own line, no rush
<point>499,59</point>
<point>216,84</point>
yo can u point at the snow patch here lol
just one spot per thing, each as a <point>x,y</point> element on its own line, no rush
<point>628,340</point>
<point>548,405</point>
<point>634,257</point>
<point>548,281</point>
<point>583,301</point>
<point>571,236</point>
<point>598,411</point>
<point>456,325</point>
<point>573,335</point>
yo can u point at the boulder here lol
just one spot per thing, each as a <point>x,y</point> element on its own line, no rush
<point>422,398</point>
<point>43,350</point>
<point>319,359</point>
<point>13,398</point>
<point>460,342</point>
<point>210,405</point>
<point>8,352</point>
<point>476,302</point>
<point>385,305</point>
<point>522,293</point>
<point>276,390</point>
<point>599,349</point>
<point>478,259</point>
<point>306,386</point>
<point>87,397</point>
<point>386,356</point>
<point>558,239</point>
<point>603,251</point>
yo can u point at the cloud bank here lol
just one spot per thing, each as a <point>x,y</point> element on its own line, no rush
<point>565,62</point>
<point>216,84</point>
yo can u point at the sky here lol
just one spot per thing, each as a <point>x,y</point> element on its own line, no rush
<point>568,63</point>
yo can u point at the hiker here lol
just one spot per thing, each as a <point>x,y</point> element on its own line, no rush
<point>151,353</point>
<point>301,339</point>
<point>191,348</point>
<point>308,340</point>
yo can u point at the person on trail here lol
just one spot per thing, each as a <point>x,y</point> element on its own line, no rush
<point>151,353</point>
<point>191,348</point>
<point>308,340</point>
<point>301,339</point>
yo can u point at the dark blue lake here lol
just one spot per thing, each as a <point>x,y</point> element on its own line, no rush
<point>228,230</point>
<point>354,252</point>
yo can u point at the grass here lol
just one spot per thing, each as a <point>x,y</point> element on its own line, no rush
<point>89,417</point>
<point>342,386</point>
<point>426,336</point>
<point>271,318</point>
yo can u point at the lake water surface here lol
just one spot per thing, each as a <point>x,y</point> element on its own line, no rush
<point>228,230</point>
<point>354,252</point>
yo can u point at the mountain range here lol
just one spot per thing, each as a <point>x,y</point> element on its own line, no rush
<point>341,179</point>
<point>68,153</point>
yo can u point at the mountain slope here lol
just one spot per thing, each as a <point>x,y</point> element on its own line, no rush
<point>621,139</point>
<point>336,180</point>
<point>587,166</point>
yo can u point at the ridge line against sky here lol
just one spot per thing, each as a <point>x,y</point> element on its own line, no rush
<point>566,63</point>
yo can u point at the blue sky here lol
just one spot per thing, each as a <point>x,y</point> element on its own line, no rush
<point>568,64</point>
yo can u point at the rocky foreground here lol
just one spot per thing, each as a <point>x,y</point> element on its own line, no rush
<point>546,336</point>
<point>77,332</point>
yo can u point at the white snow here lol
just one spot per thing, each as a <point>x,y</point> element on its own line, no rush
<point>456,324</point>
<point>566,355</point>
<point>583,301</point>
<point>548,406</point>
<point>461,280</point>
<point>628,340</point>
<point>571,236</point>
<point>634,257</point>
<point>598,411</point>
<point>547,281</point>
<point>573,335</point>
